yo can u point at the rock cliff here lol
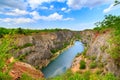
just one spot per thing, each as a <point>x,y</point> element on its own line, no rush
<point>98,46</point>
<point>38,49</point>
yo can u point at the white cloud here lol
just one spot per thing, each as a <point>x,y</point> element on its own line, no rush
<point>61,0</point>
<point>43,7</point>
<point>52,17</point>
<point>68,10</point>
<point>51,7</point>
<point>78,4</point>
<point>35,15</point>
<point>63,9</point>
<point>17,20</point>
<point>15,12</point>
<point>35,3</point>
<point>20,4</point>
<point>111,7</point>
<point>67,19</point>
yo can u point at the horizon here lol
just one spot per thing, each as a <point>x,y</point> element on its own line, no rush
<point>51,14</point>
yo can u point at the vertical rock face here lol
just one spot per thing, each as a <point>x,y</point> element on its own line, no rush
<point>36,49</point>
<point>98,46</point>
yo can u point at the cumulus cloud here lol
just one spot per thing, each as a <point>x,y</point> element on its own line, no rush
<point>20,4</point>
<point>35,3</point>
<point>51,7</point>
<point>17,20</point>
<point>15,12</point>
<point>52,17</point>
<point>65,10</point>
<point>78,4</point>
<point>34,17</point>
<point>43,7</point>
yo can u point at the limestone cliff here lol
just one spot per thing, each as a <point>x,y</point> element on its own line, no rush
<point>37,49</point>
<point>98,46</point>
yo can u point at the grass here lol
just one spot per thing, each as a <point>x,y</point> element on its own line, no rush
<point>4,56</point>
<point>84,76</point>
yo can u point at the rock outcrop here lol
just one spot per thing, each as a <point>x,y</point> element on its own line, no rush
<point>37,49</point>
<point>98,46</point>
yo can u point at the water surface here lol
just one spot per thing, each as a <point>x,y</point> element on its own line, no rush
<point>63,61</point>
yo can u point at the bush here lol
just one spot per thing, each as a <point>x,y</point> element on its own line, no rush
<point>26,77</point>
<point>4,76</point>
<point>93,65</point>
<point>93,58</point>
<point>82,64</point>
<point>109,76</point>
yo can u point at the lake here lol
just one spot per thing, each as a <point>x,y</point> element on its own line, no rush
<point>63,61</point>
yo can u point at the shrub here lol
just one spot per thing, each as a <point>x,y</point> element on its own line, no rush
<point>82,64</point>
<point>4,76</point>
<point>109,76</point>
<point>99,71</point>
<point>100,65</point>
<point>93,65</point>
<point>93,58</point>
<point>26,77</point>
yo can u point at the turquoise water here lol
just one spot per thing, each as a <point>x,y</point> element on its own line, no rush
<point>63,61</point>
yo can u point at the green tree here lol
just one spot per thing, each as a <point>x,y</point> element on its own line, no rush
<point>82,64</point>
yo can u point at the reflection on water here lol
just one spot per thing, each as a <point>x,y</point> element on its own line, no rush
<point>63,61</point>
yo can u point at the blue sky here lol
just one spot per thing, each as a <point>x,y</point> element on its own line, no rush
<point>41,14</point>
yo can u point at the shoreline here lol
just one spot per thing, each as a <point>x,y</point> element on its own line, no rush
<point>59,52</point>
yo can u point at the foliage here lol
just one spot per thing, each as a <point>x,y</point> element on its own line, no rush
<point>4,56</point>
<point>24,46</point>
<point>112,22</point>
<point>4,31</point>
<point>4,76</point>
<point>109,76</point>
<point>82,64</point>
<point>87,75</point>
<point>70,76</point>
<point>84,52</point>
<point>64,45</point>
<point>92,58</point>
<point>93,65</point>
<point>26,77</point>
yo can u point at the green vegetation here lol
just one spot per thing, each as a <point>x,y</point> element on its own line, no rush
<point>4,76</point>
<point>93,65</point>
<point>24,46</point>
<point>4,31</point>
<point>26,77</point>
<point>84,76</point>
<point>82,64</point>
<point>5,47</point>
<point>84,52</point>
<point>73,76</point>
<point>64,45</point>
<point>113,23</point>
<point>4,56</point>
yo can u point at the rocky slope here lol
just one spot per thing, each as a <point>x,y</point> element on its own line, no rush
<point>38,49</point>
<point>98,46</point>
<point>20,68</point>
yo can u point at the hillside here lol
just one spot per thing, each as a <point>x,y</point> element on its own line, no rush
<point>100,59</point>
<point>32,50</point>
